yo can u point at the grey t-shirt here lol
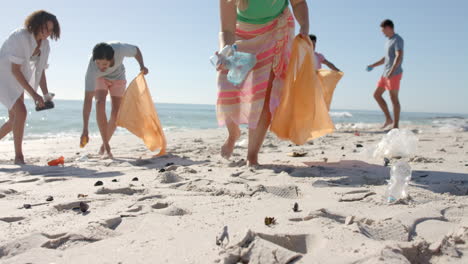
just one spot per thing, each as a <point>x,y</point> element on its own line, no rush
<point>116,72</point>
<point>393,45</point>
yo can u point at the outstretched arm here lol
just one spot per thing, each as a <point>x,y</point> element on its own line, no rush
<point>301,12</point>
<point>378,63</point>
<point>331,65</point>
<point>139,58</point>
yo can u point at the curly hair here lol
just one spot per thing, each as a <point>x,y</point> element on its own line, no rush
<point>36,22</point>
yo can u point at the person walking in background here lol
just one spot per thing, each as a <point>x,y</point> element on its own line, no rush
<point>319,58</point>
<point>393,72</point>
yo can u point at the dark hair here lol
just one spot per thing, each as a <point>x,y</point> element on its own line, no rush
<point>36,22</point>
<point>103,51</point>
<point>387,23</point>
<point>313,37</point>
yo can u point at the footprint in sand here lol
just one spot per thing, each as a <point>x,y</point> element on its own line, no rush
<point>456,214</point>
<point>384,230</point>
<point>5,192</point>
<point>69,206</point>
<point>160,205</point>
<point>126,191</point>
<point>263,248</point>
<point>354,196</point>
<point>151,197</point>
<point>173,211</point>
<point>11,219</point>
<point>26,181</point>
<point>169,177</point>
<point>135,209</point>
<point>284,191</point>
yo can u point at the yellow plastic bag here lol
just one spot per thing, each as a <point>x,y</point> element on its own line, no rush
<point>306,97</point>
<point>138,114</point>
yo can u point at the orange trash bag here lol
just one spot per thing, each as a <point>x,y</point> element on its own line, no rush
<point>138,114</point>
<point>303,113</point>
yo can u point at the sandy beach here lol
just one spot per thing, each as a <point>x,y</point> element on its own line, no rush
<point>192,206</point>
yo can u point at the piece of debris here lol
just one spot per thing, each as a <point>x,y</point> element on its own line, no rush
<point>223,236</point>
<point>84,207</point>
<point>50,199</point>
<point>386,162</point>
<point>296,207</point>
<point>349,220</point>
<point>114,180</point>
<point>82,195</point>
<point>135,179</point>
<point>162,170</point>
<point>297,154</point>
<point>99,183</point>
<point>359,146</point>
<point>269,221</point>
<point>27,206</point>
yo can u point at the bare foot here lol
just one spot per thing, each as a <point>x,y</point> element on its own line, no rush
<point>252,162</point>
<point>19,160</point>
<point>228,147</point>
<point>106,152</point>
<point>102,150</point>
<point>387,123</point>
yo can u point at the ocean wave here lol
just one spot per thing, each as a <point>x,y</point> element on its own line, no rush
<point>341,114</point>
<point>450,125</point>
<point>356,126</point>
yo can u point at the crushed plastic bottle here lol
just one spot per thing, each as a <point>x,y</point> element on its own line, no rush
<point>238,63</point>
<point>400,176</point>
<point>396,144</point>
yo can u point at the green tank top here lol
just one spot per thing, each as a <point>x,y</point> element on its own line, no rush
<point>261,11</point>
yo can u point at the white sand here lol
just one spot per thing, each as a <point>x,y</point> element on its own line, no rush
<point>175,217</point>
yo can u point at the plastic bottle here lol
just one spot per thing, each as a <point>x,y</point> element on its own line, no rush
<point>238,63</point>
<point>56,162</point>
<point>400,176</point>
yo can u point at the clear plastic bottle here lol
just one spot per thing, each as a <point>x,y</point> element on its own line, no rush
<point>238,63</point>
<point>400,176</point>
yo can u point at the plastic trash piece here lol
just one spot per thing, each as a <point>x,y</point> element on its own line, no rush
<point>47,105</point>
<point>238,63</point>
<point>57,162</point>
<point>84,141</point>
<point>396,144</point>
<point>400,176</point>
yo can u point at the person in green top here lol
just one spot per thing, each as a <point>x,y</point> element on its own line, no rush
<point>264,28</point>
<point>261,11</point>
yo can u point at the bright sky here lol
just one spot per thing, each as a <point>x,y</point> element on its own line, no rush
<point>178,37</point>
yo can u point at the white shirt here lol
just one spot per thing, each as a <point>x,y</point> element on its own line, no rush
<point>18,48</point>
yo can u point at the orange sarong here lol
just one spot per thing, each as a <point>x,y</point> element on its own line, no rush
<point>138,114</point>
<point>303,113</point>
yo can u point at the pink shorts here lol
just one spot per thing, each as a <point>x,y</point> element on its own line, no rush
<point>390,84</point>
<point>115,88</point>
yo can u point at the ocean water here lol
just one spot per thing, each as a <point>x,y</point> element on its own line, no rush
<point>66,119</point>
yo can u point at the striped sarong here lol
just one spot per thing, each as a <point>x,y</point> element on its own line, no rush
<point>271,43</point>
